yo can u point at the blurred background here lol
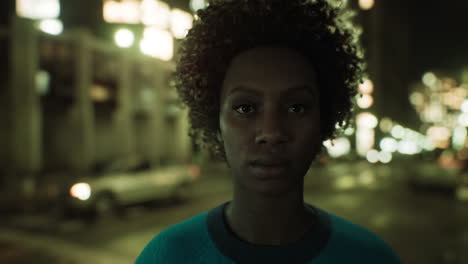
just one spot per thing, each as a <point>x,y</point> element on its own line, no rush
<point>94,154</point>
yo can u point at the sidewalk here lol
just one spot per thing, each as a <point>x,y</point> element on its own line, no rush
<point>18,247</point>
<point>17,254</point>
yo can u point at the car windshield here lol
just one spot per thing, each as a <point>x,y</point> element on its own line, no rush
<point>121,165</point>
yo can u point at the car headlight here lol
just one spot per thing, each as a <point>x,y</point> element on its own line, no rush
<point>81,191</point>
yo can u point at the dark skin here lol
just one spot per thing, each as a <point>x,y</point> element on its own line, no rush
<point>269,109</point>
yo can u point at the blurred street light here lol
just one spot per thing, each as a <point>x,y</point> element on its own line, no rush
<point>388,144</point>
<point>366,4</point>
<point>385,157</point>
<point>365,101</point>
<point>372,156</point>
<point>81,191</point>
<point>429,79</point>
<point>51,26</point>
<point>124,38</point>
<point>367,120</point>
<point>339,147</point>
<point>366,87</point>
<point>127,11</point>
<point>464,106</point>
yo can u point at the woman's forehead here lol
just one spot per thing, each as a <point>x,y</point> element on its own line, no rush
<point>269,70</point>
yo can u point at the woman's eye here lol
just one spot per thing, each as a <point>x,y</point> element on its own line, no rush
<point>244,109</point>
<point>297,108</point>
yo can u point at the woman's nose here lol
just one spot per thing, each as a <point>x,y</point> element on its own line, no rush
<point>272,130</point>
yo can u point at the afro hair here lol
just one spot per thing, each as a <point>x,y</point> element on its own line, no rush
<point>317,29</point>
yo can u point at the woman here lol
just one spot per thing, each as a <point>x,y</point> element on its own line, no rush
<point>266,82</point>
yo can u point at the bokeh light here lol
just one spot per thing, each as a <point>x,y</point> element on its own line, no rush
<point>157,43</point>
<point>385,156</point>
<point>366,120</point>
<point>34,9</point>
<point>429,79</point>
<point>339,147</point>
<point>388,144</point>
<point>124,38</point>
<point>372,156</point>
<point>81,191</point>
<point>181,22</point>
<point>366,4</point>
<point>367,87</point>
<point>196,5</point>
<point>51,26</point>
<point>365,101</point>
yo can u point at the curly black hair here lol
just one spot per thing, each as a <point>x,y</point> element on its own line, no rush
<point>317,29</point>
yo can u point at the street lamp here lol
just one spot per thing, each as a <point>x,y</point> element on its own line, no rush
<point>124,38</point>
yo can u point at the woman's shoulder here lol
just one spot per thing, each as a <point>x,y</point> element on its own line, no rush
<point>358,240</point>
<point>185,236</point>
<point>184,232</point>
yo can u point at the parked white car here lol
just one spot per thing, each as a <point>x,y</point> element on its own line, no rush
<point>126,182</point>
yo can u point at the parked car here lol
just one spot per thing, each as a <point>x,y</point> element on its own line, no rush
<point>431,177</point>
<point>125,182</point>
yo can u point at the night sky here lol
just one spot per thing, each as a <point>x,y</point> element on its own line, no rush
<point>439,35</point>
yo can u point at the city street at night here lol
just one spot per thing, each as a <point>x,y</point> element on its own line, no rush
<point>422,227</point>
<point>118,117</point>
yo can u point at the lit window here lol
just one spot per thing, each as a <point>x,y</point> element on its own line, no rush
<point>38,9</point>
<point>126,11</point>
<point>155,13</point>
<point>157,43</point>
<point>181,22</point>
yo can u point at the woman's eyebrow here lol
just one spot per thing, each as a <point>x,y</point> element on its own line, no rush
<point>287,92</point>
<point>298,89</point>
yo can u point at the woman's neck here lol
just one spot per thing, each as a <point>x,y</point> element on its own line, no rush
<point>268,220</point>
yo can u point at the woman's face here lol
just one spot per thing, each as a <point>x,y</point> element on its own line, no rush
<point>270,115</point>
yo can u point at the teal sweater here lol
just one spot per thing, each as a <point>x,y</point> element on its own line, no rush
<point>205,238</point>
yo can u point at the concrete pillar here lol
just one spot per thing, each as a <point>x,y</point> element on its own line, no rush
<point>5,101</point>
<point>25,136</point>
<point>123,116</point>
<point>82,113</point>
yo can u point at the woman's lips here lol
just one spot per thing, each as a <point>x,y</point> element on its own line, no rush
<point>270,171</point>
